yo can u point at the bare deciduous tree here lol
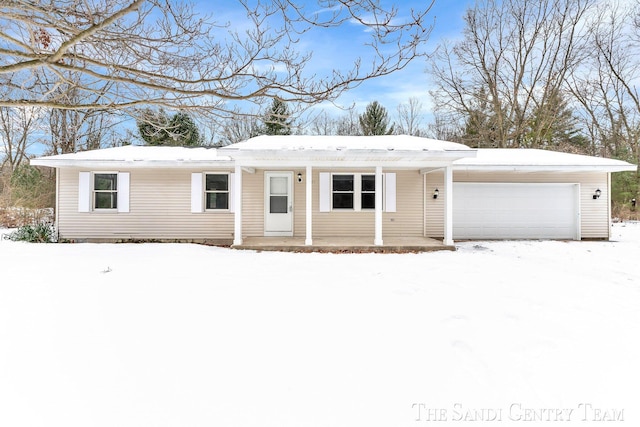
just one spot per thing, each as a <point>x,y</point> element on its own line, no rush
<point>410,118</point>
<point>17,128</point>
<point>512,61</point>
<point>239,128</point>
<point>348,123</point>
<point>131,53</point>
<point>605,84</point>
<point>322,124</point>
<point>444,128</point>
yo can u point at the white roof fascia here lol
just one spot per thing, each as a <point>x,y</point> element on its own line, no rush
<point>333,164</point>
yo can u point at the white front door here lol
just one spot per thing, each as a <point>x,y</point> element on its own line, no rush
<point>278,213</point>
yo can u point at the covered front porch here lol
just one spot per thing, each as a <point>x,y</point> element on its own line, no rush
<point>342,244</point>
<point>339,193</point>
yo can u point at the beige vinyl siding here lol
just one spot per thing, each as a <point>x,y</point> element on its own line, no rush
<point>408,218</point>
<point>594,214</point>
<point>253,203</point>
<point>434,208</point>
<point>340,222</point>
<point>406,221</point>
<point>160,208</point>
<point>300,203</point>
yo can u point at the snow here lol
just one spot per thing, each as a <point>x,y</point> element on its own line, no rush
<point>188,335</point>
<point>134,153</point>
<point>344,142</point>
<point>310,146</point>
<point>487,158</point>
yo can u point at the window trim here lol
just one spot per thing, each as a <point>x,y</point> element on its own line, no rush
<point>94,208</point>
<point>205,191</point>
<point>368,192</point>
<point>354,191</point>
<point>357,192</point>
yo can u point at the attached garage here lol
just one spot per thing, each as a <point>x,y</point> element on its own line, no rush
<point>516,211</point>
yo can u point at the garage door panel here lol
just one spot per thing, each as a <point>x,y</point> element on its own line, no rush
<point>515,211</point>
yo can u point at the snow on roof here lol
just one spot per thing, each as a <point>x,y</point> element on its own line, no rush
<point>340,143</point>
<point>137,152</point>
<point>533,159</point>
<point>487,159</point>
<point>134,154</point>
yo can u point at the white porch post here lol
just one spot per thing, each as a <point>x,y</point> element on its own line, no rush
<point>237,199</point>
<point>448,205</point>
<point>378,234</point>
<point>309,207</point>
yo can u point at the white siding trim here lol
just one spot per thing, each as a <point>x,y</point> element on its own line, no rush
<point>357,191</point>
<point>578,189</point>
<point>390,192</point>
<point>57,211</point>
<point>197,193</point>
<point>448,206</point>
<point>325,192</point>
<point>84,192</point>
<point>232,185</point>
<point>123,191</point>
<point>608,207</point>
<point>378,211</point>
<point>237,217</point>
<point>308,240</point>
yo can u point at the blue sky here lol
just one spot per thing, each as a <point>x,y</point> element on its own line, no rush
<point>339,48</point>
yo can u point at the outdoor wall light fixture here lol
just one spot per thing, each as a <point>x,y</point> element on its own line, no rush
<point>299,177</point>
<point>436,193</point>
<point>597,194</point>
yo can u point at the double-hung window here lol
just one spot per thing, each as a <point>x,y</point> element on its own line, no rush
<point>343,191</point>
<point>212,192</point>
<point>105,191</point>
<point>353,191</point>
<point>368,192</point>
<point>216,191</point>
<point>340,191</point>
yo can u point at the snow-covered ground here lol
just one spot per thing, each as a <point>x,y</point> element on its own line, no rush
<point>188,335</point>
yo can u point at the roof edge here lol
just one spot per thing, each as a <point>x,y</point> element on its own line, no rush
<point>546,168</point>
<point>60,163</point>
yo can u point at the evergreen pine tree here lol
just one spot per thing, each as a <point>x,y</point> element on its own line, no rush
<point>277,121</point>
<point>375,120</point>
<point>157,128</point>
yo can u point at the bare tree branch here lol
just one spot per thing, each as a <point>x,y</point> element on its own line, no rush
<point>162,53</point>
<point>501,80</point>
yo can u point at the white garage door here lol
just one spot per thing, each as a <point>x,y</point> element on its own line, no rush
<point>515,211</point>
